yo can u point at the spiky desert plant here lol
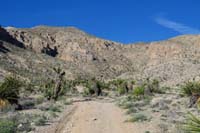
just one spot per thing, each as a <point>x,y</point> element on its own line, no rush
<point>192,124</point>
<point>191,88</point>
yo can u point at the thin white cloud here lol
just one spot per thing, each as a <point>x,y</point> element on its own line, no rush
<point>178,27</point>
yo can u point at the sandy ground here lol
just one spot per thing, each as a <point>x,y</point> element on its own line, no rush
<point>97,117</point>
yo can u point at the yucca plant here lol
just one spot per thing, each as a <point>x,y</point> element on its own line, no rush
<point>192,124</point>
<point>191,88</point>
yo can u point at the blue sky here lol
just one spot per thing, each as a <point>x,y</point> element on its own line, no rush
<point>124,21</point>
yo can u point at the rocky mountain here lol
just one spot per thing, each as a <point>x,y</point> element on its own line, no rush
<point>33,52</point>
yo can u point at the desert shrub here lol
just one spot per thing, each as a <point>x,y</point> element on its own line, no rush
<point>93,86</point>
<point>117,82</point>
<point>23,122</point>
<point>191,88</point>
<point>40,120</point>
<point>39,100</point>
<point>54,108</point>
<point>67,86</point>
<point>125,104</point>
<point>121,90</point>
<point>147,88</point>
<point>88,91</point>
<point>47,89</point>
<point>7,126</point>
<point>153,86</point>
<point>138,91</point>
<point>120,86</point>
<point>165,88</point>
<point>138,117</point>
<point>131,110</point>
<point>9,89</point>
<point>16,123</point>
<point>192,124</point>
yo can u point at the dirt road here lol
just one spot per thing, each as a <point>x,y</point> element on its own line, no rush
<point>97,117</point>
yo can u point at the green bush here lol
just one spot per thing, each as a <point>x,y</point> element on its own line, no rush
<point>9,89</point>
<point>121,90</point>
<point>88,91</point>
<point>191,88</point>
<point>47,89</point>
<point>138,91</point>
<point>117,82</point>
<point>67,86</point>
<point>7,126</point>
<point>192,124</point>
<point>120,85</point>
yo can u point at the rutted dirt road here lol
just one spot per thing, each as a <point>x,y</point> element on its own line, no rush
<point>96,117</point>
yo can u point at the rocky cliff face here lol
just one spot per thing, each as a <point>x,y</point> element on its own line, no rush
<point>172,61</point>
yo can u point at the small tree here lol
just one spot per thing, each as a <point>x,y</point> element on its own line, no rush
<point>58,82</point>
<point>54,87</point>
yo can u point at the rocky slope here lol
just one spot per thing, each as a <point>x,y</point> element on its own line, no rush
<point>38,49</point>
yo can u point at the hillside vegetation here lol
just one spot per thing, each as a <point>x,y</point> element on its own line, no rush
<point>46,72</point>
